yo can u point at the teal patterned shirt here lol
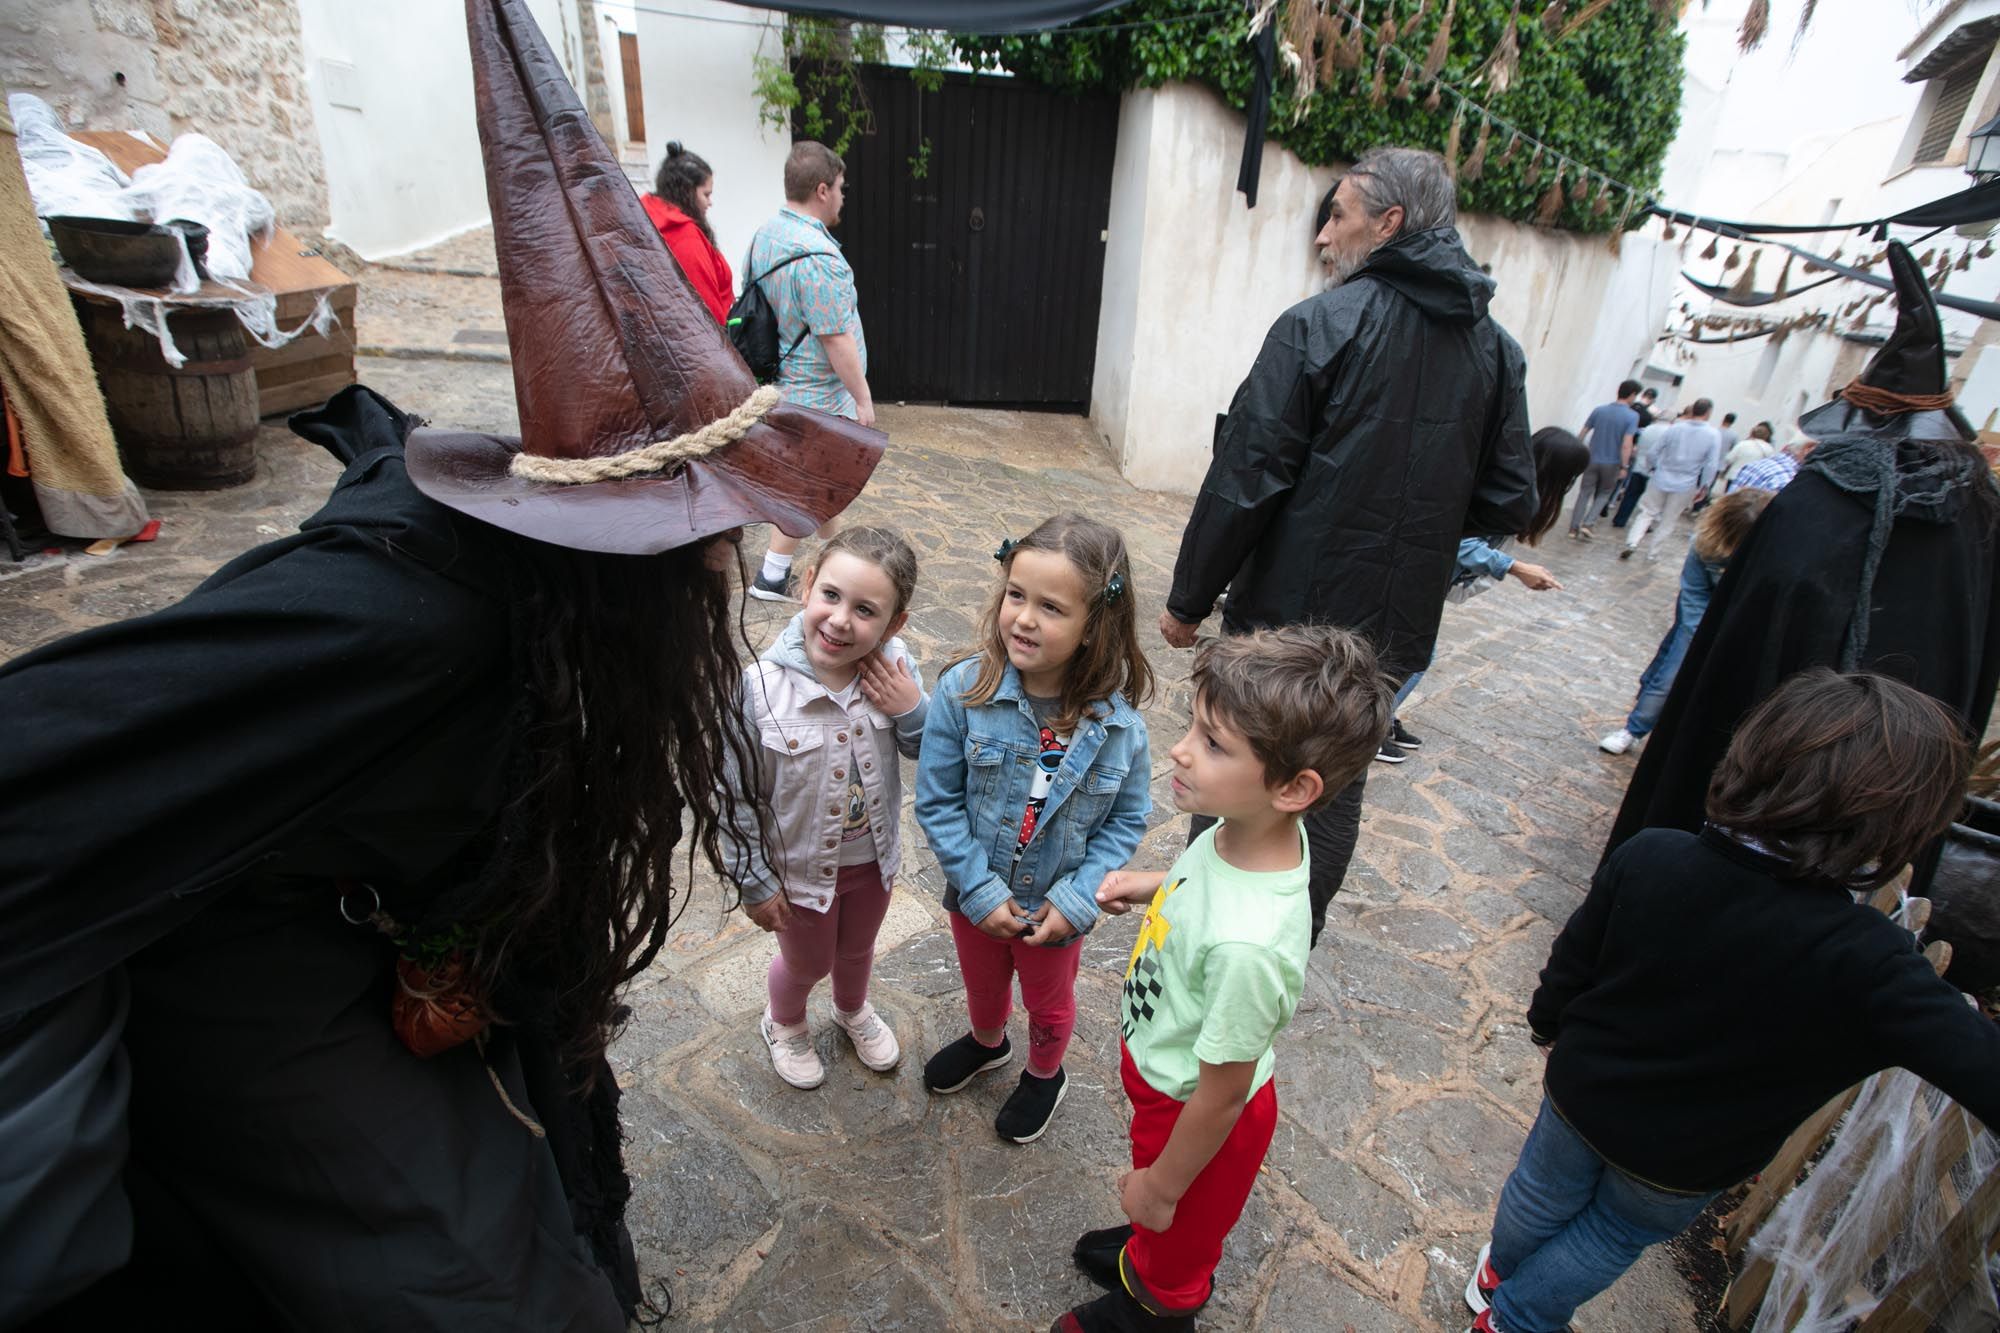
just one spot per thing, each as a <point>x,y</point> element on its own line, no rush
<point>814,296</point>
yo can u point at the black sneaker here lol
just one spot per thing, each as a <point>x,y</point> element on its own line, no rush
<point>1117,1312</point>
<point>765,590</point>
<point>1097,1252</point>
<point>1625,553</point>
<point>962,1061</point>
<point>1403,739</point>
<point>1391,753</point>
<point>1031,1107</point>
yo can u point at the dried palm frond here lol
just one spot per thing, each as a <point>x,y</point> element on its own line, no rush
<point>1337,51</point>
<point>1668,232</point>
<point>1475,165</point>
<point>1985,251</point>
<point>1552,201</point>
<point>1746,282</point>
<point>1302,27</point>
<point>1440,42</point>
<point>1602,203</point>
<point>1784,277</point>
<point>1928,256</point>
<point>1624,216</point>
<point>1507,153</point>
<point>1714,248</point>
<point>1451,142</point>
<point>1532,173</point>
<point>1386,30</point>
<point>1402,89</point>
<point>1552,17</point>
<point>1436,98</point>
<point>1581,190</point>
<point>1756,22</point>
<point>1378,87</point>
<point>1964,259</point>
<point>1735,258</point>
<point>1805,21</point>
<point>1498,71</point>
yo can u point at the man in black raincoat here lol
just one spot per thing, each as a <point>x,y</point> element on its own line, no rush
<point>1883,554</point>
<point>1384,419</point>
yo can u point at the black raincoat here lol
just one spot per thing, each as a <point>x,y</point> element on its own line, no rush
<point>1382,421</point>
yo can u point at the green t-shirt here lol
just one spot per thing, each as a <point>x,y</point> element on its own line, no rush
<point>1217,969</point>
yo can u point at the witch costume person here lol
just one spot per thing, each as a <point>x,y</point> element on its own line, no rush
<point>320,886</point>
<point>1881,556</point>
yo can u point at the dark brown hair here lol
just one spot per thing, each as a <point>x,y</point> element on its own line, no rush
<point>807,167</point>
<point>1727,522</point>
<point>1109,660</point>
<point>1848,776</point>
<point>1304,696</point>
<point>681,176</point>
<point>883,548</point>
<point>1560,459</point>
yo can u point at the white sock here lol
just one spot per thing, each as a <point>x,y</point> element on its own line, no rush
<point>776,567</point>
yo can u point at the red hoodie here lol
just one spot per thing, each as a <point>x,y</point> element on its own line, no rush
<point>704,265</point>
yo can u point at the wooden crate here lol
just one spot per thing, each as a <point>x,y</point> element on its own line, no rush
<point>312,367</point>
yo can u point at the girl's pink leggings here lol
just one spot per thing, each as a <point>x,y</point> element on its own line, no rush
<point>1048,989</point>
<point>840,940</point>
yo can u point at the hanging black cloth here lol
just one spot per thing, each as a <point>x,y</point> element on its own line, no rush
<point>1264,56</point>
<point>960,15</point>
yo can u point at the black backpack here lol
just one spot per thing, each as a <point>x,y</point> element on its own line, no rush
<point>753,324</point>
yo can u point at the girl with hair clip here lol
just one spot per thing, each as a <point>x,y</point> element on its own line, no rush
<point>1031,787</point>
<point>834,702</point>
<point>683,191</point>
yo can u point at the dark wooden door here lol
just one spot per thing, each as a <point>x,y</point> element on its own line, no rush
<point>635,97</point>
<point>980,279</point>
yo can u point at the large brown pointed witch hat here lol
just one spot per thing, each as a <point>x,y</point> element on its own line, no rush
<point>1902,393</point>
<point>641,428</point>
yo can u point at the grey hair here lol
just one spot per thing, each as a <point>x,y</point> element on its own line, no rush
<point>1414,179</point>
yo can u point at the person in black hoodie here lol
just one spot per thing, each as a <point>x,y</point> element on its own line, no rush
<point>1716,988</point>
<point>1383,420</point>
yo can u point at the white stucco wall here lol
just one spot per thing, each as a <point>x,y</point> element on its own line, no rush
<point>699,87</point>
<point>1193,279</point>
<point>395,116</point>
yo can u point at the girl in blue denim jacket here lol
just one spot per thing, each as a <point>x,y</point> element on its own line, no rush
<point>1033,784</point>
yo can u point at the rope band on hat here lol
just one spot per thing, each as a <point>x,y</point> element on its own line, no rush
<point>659,456</point>
<point>1888,403</point>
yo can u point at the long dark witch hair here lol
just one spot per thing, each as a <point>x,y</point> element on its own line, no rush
<point>627,722</point>
<point>681,174</point>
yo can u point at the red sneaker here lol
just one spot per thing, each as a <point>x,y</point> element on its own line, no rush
<point>1483,1324</point>
<point>1484,1282</point>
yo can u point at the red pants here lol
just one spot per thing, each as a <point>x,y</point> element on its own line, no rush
<point>1048,988</point>
<point>1170,1271</point>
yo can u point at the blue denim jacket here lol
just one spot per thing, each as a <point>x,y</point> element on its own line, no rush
<point>973,775</point>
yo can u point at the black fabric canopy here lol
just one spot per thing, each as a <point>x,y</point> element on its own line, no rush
<point>960,15</point>
<point>1980,203</point>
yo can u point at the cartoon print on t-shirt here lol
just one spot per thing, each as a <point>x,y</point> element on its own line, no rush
<point>1038,791</point>
<point>1142,973</point>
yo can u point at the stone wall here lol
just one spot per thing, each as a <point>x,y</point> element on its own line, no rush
<point>230,69</point>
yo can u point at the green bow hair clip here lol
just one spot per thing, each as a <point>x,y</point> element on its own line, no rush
<point>1114,591</point>
<point>1007,548</point>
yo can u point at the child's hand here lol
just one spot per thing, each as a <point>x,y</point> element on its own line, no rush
<point>1052,927</point>
<point>1121,888</point>
<point>1143,1202</point>
<point>1004,922</point>
<point>773,914</point>
<point>889,685</point>
<point>1535,577</point>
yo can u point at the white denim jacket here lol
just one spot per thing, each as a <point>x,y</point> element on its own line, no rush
<point>806,741</point>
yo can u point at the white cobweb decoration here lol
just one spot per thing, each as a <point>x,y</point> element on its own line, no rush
<point>1873,1213</point>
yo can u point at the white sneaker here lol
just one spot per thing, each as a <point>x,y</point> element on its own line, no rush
<point>1618,742</point>
<point>792,1053</point>
<point>873,1042</point>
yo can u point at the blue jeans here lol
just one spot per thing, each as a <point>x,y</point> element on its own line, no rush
<point>1569,1224</point>
<point>1409,686</point>
<point>1697,588</point>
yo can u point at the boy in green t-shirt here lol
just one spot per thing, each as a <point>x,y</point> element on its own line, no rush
<point>1284,719</point>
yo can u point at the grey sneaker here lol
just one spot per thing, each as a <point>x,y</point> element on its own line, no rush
<point>873,1042</point>
<point>792,1053</point>
<point>764,590</point>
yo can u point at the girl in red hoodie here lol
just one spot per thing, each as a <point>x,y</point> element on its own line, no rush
<point>679,208</point>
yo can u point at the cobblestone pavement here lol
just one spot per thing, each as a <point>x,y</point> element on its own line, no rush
<point>1406,1081</point>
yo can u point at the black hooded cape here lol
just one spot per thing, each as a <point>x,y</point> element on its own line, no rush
<point>1785,604</point>
<point>1381,422</point>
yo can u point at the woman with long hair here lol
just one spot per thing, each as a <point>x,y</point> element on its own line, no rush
<point>322,884</point>
<point>678,207</point>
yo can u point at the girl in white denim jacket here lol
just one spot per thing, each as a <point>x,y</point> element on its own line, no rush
<point>834,703</point>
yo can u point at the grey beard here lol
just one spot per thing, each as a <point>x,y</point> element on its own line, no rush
<point>1337,267</point>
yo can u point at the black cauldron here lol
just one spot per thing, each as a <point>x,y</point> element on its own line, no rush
<point>117,251</point>
<point>1965,898</point>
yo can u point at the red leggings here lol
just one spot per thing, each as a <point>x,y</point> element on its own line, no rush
<point>1048,989</point>
<point>1171,1271</point>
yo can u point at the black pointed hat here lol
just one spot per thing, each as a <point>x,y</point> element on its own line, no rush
<point>1910,363</point>
<point>641,428</point>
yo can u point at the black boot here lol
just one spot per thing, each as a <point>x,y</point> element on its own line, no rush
<point>1117,1312</point>
<point>1097,1252</point>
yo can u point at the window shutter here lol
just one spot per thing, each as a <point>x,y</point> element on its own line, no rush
<point>1954,94</point>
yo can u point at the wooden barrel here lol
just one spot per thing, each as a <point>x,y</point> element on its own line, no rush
<point>187,428</point>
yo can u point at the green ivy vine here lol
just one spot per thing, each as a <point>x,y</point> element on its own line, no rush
<point>1607,94</point>
<point>813,88</point>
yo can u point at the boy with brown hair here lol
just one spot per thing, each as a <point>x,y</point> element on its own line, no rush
<point>1716,989</point>
<point>1284,719</point>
